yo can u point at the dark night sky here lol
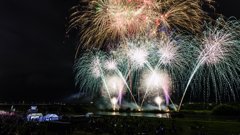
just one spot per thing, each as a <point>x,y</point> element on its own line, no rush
<point>35,65</point>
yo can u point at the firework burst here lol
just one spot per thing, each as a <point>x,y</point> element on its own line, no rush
<point>95,67</point>
<point>140,49</point>
<point>88,72</point>
<point>217,64</point>
<point>115,86</point>
<point>155,82</point>
<point>182,14</point>
<point>109,21</point>
<point>138,57</point>
<point>110,65</point>
<point>216,46</point>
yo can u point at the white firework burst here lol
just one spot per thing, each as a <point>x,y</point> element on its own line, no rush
<point>168,53</point>
<point>95,67</point>
<point>138,57</point>
<point>216,46</point>
<point>110,65</point>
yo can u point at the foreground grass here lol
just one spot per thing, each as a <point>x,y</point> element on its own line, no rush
<point>22,130</point>
<point>209,126</point>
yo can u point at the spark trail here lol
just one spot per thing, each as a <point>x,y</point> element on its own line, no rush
<point>124,80</point>
<point>215,51</point>
<point>190,79</point>
<point>154,72</point>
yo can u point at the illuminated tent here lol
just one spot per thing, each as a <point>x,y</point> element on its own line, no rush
<point>50,117</point>
<point>34,116</point>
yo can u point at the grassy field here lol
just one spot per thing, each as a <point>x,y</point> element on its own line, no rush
<point>206,125</point>
<point>209,126</point>
<point>193,123</point>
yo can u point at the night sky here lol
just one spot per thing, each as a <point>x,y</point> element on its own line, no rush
<point>35,64</point>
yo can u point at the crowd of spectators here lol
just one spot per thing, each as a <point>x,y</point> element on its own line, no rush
<point>12,124</point>
<point>127,125</point>
<point>9,124</point>
<point>7,120</point>
<point>117,125</point>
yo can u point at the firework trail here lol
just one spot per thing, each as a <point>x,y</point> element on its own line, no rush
<point>218,53</point>
<point>142,51</point>
<point>161,84</point>
<point>87,78</point>
<point>135,56</point>
<point>114,85</point>
<point>104,81</point>
<point>88,70</point>
<point>172,52</point>
<point>112,65</point>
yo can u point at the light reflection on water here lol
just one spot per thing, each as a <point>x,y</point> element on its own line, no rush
<point>139,114</point>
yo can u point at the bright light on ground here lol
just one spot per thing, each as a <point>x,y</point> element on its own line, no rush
<point>114,101</point>
<point>158,100</point>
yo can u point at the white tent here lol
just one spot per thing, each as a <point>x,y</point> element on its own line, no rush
<point>50,117</point>
<point>34,116</point>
